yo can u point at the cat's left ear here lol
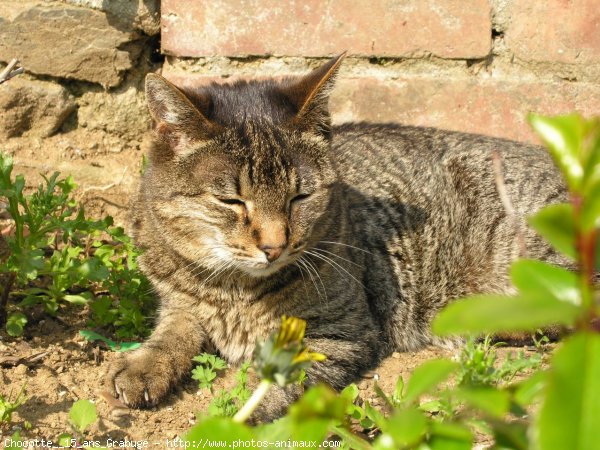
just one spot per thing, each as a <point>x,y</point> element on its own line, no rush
<point>310,96</point>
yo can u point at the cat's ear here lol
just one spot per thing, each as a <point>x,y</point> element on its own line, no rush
<point>310,96</point>
<point>176,118</point>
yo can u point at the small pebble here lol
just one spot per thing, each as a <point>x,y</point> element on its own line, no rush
<point>21,369</point>
<point>396,355</point>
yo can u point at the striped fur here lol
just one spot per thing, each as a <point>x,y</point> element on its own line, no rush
<point>376,227</point>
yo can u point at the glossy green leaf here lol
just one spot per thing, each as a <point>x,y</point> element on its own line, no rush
<point>427,376</point>
<point>555,223</point>
<point>537,277</point>
<point>82,414</point>
<point>563,135</point>
<point>494,402</point>
<point>482,314</point>
<point>221,429</point>
<point>570,414</point>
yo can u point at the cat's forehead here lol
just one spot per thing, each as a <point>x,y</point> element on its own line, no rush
<point>235,103</point>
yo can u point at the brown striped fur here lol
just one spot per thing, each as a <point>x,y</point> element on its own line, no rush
<point>253,207</point>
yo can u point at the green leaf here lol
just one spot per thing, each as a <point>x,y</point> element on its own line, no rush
<point>81,299</point>
<point>353,441</point>
<point>407,427</point>
<point>65,440</point>
<point>536,277</point>
<point>590,211</point>
<point>491,401</point>
<point>82,414</point>
<point>530,389</point>
<point>482,314</point>
<point>563,135</point>
<point>217,429</point>
<point>427,376</point>
<point>570,414</point>
<point>450,436</point>
<point>15,324</point>
<point>555,223</point>
<point>122,347</point>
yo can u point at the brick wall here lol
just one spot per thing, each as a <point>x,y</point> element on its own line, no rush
<point>471,65</point>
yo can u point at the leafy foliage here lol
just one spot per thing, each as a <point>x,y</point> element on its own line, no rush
<point>206,371</point>
<point>55,256</point>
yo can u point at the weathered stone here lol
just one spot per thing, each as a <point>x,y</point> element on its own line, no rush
<point>67,41</point>
<point>123,113</point>
<point>495,107</point>
<point>33,108</point>
<point>385,28</point>
<point>555,31</point>
<point>143,15</point>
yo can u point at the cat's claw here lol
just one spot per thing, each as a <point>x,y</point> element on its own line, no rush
<point>146,396</point>
<point>125,398</point>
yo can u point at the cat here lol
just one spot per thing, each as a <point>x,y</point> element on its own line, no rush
<point>254,206</point>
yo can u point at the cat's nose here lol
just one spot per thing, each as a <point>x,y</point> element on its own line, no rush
<point>272,252</point>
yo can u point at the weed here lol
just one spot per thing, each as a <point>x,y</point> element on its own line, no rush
<point>206,371</point>
<point>227,403</point>
<point>56,256</point>
<point>9,405</point>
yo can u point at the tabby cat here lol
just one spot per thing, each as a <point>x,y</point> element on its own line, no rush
<point>253,206</point>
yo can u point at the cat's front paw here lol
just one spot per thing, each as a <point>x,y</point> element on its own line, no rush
<point>139,379</point>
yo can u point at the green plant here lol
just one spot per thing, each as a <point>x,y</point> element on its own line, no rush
<point>56,256</point>
<point>81,415</point>
<point>8,405</point>
<point>228,403</point>
<point>206,371</point>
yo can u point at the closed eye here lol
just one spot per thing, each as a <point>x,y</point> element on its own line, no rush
<point>300,197</point>
<point>232,201</point>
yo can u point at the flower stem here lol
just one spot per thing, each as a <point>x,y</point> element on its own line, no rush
<point>249,407</point>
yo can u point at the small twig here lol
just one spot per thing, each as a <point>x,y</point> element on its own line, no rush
<point>505,199</point>
<point>10,71</point>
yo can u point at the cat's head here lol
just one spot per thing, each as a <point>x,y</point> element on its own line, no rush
<point>239,173</point>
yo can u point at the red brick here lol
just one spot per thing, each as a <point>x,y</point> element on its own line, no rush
<point>446,28</point>
<point>566,31</point>
<point>491,107</point>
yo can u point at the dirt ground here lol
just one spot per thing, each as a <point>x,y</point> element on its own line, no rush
<point>59,367</point>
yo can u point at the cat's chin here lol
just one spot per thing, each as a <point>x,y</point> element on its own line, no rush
<point>262,272</point>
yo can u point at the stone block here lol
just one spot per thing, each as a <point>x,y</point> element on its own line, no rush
<point>33,108</point>
<point>67,41</point>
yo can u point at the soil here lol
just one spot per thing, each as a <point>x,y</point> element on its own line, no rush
<point>59,367</point>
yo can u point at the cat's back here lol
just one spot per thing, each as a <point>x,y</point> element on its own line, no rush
<point>425,165</point>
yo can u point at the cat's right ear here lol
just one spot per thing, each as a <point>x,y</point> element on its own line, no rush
<point>176,119</point>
